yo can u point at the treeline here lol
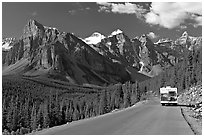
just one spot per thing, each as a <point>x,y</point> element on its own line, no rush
<point>26,109</point>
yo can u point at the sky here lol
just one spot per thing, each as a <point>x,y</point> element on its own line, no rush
<point>158,20</point>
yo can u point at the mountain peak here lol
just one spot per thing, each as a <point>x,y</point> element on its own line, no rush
<point>95,38</point>
<point>183,39</point>
<point>97,34</point>
<point>33,22</point>
<point>185,34</point>
<point>117,31</point>
<point>143,38</point>
<point>33,28</point>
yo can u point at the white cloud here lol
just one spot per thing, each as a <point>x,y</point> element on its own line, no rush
<point>87,8</point>
<point>152,35</point>
<point>104,3</point>
<point>171,15</point>
<point>126,8</point>
<point>166,14</point>
<point>191,7</point>
<point>152,18</point>
<point>198,21</point>
<point>74,11</point>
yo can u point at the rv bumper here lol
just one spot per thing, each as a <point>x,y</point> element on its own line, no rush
<point>169,102</point>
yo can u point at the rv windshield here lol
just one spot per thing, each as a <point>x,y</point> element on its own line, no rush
<point>172,93</point>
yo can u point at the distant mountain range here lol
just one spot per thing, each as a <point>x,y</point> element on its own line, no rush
<point>47,52</point>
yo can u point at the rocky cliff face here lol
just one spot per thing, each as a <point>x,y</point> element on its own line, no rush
<point>117,48</point>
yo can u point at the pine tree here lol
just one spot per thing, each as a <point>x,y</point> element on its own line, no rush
<point>46,119</point>
<point>40,116</point>
<point>26,113</point>
<point>117,96</point>
<point>103,103</point>
<point>87,110</point>
<point>4,113</point>
<point>33,122</point>
<point>134,93</point>
<point>113,98</point>
<point>138,91</point>
<point>16,116</point>
<point>11,115</point>
<point>69,112</point>
<point>97,105</point>
<point>76,115</point>
<point>82,108</point>
<point>56,110</point>
<point>127,97</point>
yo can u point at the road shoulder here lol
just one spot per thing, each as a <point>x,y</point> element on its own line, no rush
<point>194,123</point>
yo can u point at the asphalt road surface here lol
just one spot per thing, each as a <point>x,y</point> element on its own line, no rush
<point>147,118</point>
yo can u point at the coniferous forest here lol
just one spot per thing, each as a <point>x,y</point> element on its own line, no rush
<point>28,106</point>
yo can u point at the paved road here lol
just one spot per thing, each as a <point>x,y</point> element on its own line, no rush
<point>148,118</point>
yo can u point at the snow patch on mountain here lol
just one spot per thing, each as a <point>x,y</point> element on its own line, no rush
<point>116,61</point>
<point>6,46</point>
<point>95,38</point>
<point>164,40</point>
<point>141,69</point>
<point>52,28</point>
<point>7,43</point>
<point>116,32</point>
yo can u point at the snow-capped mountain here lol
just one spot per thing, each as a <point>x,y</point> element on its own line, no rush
<point>95,38</point>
